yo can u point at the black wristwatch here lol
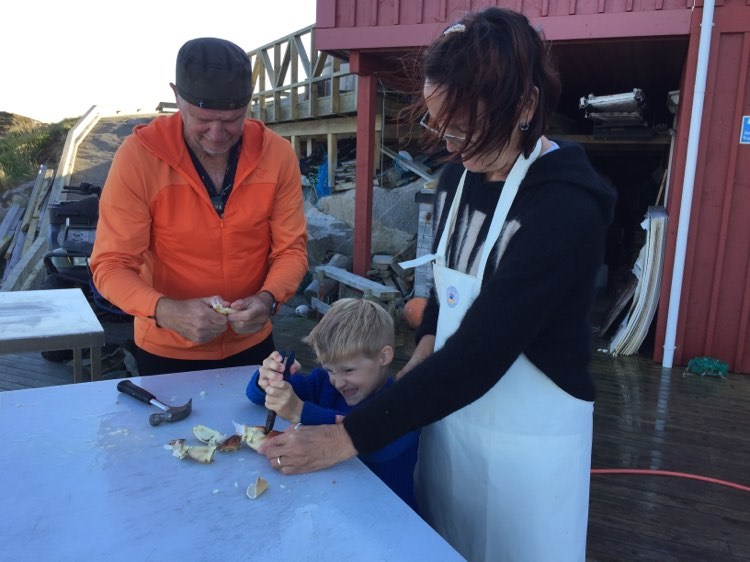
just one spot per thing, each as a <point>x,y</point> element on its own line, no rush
<point>274,302</point>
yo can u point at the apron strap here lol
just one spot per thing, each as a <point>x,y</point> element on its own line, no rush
<point>516,175</point>
<point>439,255</point>
<point>416,262</point>
<point>510,189</point>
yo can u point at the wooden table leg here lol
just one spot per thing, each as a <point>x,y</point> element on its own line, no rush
<point>77,365</point>
<point>96,363</point>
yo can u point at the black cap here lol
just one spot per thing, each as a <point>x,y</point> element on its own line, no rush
<point>214,74</point>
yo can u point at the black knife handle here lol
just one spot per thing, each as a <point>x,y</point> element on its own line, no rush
<point>288,365</point>
<point>288,359</point>
<point>270,420</point>
<point>127,387</point>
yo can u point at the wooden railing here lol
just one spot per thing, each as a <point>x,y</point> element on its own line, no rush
<point>292,81</point>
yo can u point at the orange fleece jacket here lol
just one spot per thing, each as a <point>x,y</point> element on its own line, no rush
<point>159,235</point>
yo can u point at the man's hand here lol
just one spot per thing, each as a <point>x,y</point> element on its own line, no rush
<point>308,448</point>
<point>193,319</point>
<point>253,313</point>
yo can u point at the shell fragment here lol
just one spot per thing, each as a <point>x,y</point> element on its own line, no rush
<point>223,443</point>
<point>207,435</point>
<point>256,488</point>
<point>178,447</point>
<point>220,308</point>
<point>202,453</point>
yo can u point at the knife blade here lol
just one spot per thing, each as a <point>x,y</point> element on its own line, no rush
<point>288,361</point>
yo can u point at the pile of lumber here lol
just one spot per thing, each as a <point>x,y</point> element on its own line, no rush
<point>345,175</point>
<point>22,237</point>
<point>645,294</point>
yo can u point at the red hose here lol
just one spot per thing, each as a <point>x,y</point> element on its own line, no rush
<point>669,473</point>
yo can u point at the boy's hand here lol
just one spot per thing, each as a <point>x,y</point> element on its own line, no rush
<point>281,399</point>
<point>273,369</point>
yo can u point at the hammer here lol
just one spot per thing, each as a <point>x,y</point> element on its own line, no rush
<point>171,413</point>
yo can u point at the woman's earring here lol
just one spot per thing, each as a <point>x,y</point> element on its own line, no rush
<point>523,126</point>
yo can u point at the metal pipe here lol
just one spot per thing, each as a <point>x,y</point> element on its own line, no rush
<point>691,162</point>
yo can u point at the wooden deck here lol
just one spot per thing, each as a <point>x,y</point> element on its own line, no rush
<point>645,417</point>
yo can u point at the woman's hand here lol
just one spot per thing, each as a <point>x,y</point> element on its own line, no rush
<point>423,350</point>
<point>308,448</point>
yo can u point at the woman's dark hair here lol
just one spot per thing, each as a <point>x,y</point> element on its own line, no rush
<point>495,57</point>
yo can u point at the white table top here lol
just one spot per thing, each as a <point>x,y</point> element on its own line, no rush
<point>47,320</point>
<point>86,477</point>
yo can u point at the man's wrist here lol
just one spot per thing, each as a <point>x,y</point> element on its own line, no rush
<point>273,304</point>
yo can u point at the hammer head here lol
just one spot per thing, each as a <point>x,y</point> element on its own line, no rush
<point>173,414</point>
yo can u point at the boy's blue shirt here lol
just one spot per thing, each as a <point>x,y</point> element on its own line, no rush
<point>393,464</point>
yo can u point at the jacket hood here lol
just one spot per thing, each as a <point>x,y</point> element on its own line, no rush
<point>577,171</point>
<point>163,137</point>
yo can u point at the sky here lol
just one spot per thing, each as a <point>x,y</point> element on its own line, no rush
<point>57,59</point>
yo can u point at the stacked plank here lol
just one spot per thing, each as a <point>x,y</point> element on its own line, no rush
<point>345,175</point>
<point>22,244</point>
<point>647,269</point>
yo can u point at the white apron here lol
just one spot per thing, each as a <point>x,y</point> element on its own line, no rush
<point>506,477</point>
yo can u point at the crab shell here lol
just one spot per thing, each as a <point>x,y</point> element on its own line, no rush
<point>220,308</point>
<point>223,309</point>
<point>202,454</point>
<point>253,435</point>
<point>178,447</point>
<point>208,435</point>
<point>230,444</point>
<point>256,488</point>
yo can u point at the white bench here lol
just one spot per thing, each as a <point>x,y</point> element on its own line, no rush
<point>351,284</point>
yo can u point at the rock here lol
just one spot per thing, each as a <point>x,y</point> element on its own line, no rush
<point>330,287</point>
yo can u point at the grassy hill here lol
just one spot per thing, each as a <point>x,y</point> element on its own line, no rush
<point>25,144</point>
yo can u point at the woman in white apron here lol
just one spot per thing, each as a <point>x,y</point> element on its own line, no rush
<point>499,377</point>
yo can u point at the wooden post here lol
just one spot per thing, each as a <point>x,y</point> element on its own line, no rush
<point>294,140</point>
<point>376,153</point>
<point>366,98</point>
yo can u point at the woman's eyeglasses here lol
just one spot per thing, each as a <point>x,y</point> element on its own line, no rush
<point>455,139</point>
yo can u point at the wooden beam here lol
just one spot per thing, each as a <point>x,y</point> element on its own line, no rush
<point>268,66</point>
<point>362,284</point>
<point>284,65</point>
<point>320,127</point>
<point>413,166</point>
<point>366,99</point>
<point>302,54</point>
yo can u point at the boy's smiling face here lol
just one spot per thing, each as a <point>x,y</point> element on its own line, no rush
<point>359,377</point>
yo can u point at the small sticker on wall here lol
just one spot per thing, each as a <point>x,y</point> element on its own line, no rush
<point>745,130</point>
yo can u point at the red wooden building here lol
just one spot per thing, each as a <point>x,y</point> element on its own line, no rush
<point>606,47</point>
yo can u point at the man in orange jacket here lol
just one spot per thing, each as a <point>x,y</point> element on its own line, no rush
<point>201,229</point>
